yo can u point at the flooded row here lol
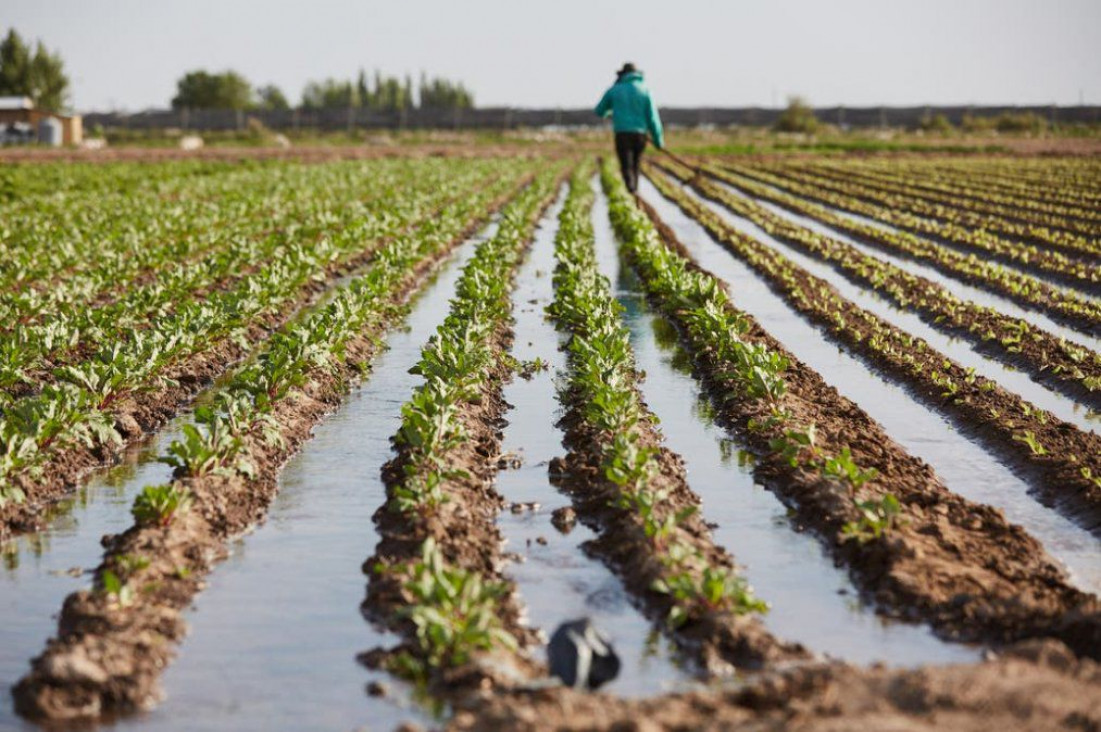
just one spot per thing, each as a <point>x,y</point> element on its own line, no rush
<point>811,600</point>
<point>957,287</point>
<point>961,351</point>
<point>964,465</point>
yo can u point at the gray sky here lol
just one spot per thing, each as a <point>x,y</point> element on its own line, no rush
<point>128,53</point>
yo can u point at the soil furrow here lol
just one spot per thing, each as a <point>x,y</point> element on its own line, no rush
<point>1046,358</point>
<point>462,524</point>
<point>109,654</point>
<point>957,565</point>
<point>967,241</point>
<point>1062,306</point>
<point>1035,685</point>
<point>147,410</point>
<point>1062,462</point>
<point>714,637</point>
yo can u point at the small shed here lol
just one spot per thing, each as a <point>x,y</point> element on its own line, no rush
<point>18,115</point>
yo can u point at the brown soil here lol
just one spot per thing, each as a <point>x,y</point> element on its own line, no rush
<point>146,411</point>
<point>1035,686</point>
<point>957,565</point>
<point>1046,358</point>
<point>999,418</point>
<point>464,528</point>
<point>107,659</point>
<point>716,640</point>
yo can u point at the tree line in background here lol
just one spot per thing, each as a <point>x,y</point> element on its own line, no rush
<point>230,90</point>
<point>39,75</point>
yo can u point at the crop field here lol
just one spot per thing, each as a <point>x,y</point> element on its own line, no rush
<point>330,443</point>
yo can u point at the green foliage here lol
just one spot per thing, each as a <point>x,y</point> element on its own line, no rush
<point>793,442</point>
<point>936,124</point>
<point>329,94</point>
<point>455,612</point>
<point>1034,445</point>
<point>602,379</point>
<point>271,98</point>
<point>386,93</point>
<point>841,467</point>
<point>204,90</point>
<point>158,505</point>
<point>797,117</point>
<point>877,517</point>
<point>714,589</point>
<point>119,591</point>
<point>40,76</point>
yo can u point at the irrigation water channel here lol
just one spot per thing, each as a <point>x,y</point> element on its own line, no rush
<point>960,289</point>
<point>286,600</point>
<point>274,637</point>
<point>957,349</point>
<point>963,465</point>
<point>918,267</point>
<point>811,600</point>
<point>556,579</point>
<point>40,570</point>
<point>1084,290</point>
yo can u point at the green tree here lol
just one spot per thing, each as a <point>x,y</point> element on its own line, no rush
<point>271,97</point>
<point>798,117</point>
<point>363,90</point>
<point>40,76</point>
<point>438,93</point>
<point>328,94</point>
<point>203,90</point>
<point>936,123</point>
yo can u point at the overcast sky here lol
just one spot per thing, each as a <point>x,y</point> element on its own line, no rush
<point>128,53</point>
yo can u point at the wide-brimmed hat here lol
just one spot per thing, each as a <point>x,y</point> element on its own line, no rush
<point>628,68</point>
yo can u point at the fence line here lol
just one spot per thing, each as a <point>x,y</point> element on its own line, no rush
<point>510,118</point>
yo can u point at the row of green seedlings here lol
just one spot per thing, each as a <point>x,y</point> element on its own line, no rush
<point>76,411</point>
<point>217,442</point>
<point>1053,182</point>
<point>1009,420</point>
<point>959,193</point>
<point>132,329</point>
<point>35,353</point>
<point>710,321</point>
<point>974,185</point>
<point>1012,340</point>
<point>603,378</point>
<point>1030,239</point>
<point>949,227</point>
<point>32,185</point>
<point>1063,305</point>
<point>171,245</point>
<point>122,230</point>
<point>455,610</point>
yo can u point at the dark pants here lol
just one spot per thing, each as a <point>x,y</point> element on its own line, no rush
<point>629,147</point>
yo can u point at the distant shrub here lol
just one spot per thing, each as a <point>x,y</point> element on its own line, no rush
<point>1013,122</point>
<point>936,124</point>
<point>798,117</point>
<point>1023,122</point>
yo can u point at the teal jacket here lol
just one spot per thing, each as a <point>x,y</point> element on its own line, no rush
<point>628,102</point>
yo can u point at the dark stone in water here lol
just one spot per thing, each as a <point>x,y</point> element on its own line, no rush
<point>581,656</point>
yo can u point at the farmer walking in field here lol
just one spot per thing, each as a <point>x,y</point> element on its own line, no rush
<point>634,114</point>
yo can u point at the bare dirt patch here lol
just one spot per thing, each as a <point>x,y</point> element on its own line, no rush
<point>1037,686</point>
